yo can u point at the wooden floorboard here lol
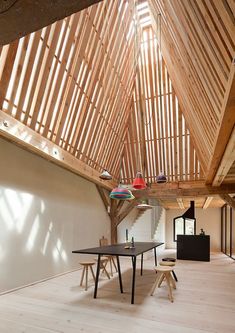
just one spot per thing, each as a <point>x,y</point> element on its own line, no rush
<point>203,302</point>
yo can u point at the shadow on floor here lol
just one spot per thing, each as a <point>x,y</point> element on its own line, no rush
<point>110,289</point>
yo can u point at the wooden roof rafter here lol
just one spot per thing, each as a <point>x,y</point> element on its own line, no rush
<point>199,36</point>
<point>75,96</point>
<point>158,136</point>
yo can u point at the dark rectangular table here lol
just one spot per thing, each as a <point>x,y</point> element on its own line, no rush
<point>118,250</point>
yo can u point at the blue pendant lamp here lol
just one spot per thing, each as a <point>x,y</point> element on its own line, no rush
<point>161,178</point>
<point>121,193</point>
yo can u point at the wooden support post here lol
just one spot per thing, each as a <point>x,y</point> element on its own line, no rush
<point>229,200</point>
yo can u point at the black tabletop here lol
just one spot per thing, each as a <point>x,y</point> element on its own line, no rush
<point>119,249</point>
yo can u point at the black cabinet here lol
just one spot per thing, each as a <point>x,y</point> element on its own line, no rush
<point>193,247</point>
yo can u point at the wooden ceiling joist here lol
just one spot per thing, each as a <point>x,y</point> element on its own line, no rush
<point>174,190</point>
<point>15,131</point>
<point>95,91</point>
<point>180,203</point>
<point>207,202</point>
<point>224,149</point>
<point>226,162</point>
<point>72,83</point>
<point>197,44</point>
<point>158,137</point>
<point>228,199</point>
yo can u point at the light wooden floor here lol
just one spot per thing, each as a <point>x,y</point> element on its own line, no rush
<point>204,302</point>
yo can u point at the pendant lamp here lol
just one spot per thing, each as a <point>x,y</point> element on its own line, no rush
<point>105,175</point>
<point>161,178</point>
<point>121,193</point>
<point>139,183</point>
<point>144,206</point>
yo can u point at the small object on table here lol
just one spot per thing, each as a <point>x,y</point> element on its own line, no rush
<point>126,235</point>
<point>202,233</point>
<point>132,243</point>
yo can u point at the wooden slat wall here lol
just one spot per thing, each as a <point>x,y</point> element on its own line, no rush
<point>72,82</point>
<point>164,143</point>
<point>197,43</point>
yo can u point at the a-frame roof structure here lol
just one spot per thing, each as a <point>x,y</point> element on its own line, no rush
<point>129,86</point>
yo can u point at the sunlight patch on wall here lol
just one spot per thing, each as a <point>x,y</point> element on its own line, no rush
<point>15,207</point>
<point>59,252</point>
<point>5,213</point>
<point>43,207</point>
<point>47,239</point>
<point>33,234</point>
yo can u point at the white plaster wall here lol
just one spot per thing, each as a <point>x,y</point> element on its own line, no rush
<point>160,234</point>
<point>126,223</point>
<point>141,229</point>
<point>45,213</point>
<point>208,219</point>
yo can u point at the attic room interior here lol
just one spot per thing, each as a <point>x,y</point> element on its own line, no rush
<point>117,169</point>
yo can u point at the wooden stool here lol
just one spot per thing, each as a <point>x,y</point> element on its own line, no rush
<point>103,264</point>
<point>169,259</point>
<point>171,264</point>
<point>104,242</point>
<point>164,272</point>
<point>112,263</point>
<point>85,265</point>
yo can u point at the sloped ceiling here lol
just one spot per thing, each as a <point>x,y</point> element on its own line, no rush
<point>198,45</point>
<point>158,138</point>
<point>72,83</point>
<point>93,91</point>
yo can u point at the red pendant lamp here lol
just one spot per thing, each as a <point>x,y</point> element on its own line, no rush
<point>139,183</point>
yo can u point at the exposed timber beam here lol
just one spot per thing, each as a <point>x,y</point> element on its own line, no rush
<point>172,190</point>
<point>117,217</point>
<point>106,200</point>
<point>224,132</point>
<point>230,201</point>
<point>207,202</point>
<point>19,17</point>
<point>126,211</point>
<point>227,161</point>
<point>25,137</point>
<point>114,221</point>
<point>180,203</point>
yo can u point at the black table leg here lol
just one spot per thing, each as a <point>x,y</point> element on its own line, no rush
<point>175,277</point>
<point>155,256</point>
<point>133,280</point>
<point>119,274</point>
<point>97,276</point>
<point>141,269</point>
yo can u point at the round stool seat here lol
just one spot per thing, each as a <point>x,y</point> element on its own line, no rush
<point>169,259</point>
<point>84,263</point>
<point>163,269</point>
<point>167,263</point>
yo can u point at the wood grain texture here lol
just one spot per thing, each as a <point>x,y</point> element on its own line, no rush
<point>205,292</point>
